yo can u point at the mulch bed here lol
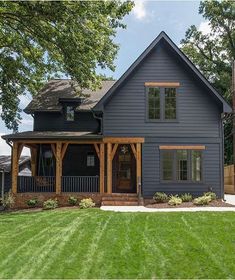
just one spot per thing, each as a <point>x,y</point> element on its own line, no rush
<point>215,203</point>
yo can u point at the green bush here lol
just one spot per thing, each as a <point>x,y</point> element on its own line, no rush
<point>86,203</point>
<point>50,204</point>
<point>186,197</point>
<point>32,202</point>
<point>202,200</point>
<point>211,194</point>
<point>160,197</point>
<point>72,200</point>
<point>8,201</point>
<point>174,200</point>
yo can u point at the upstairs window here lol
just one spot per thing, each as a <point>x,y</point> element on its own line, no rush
<point>90,160</point>
<point>69,113</point>
<point>161,103</point>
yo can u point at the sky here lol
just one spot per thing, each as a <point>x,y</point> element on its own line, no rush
<point>144,23</point>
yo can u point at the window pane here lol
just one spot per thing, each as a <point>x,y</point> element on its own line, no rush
<point>69,113</point>
<point>196,166</point>
<point>182,165</point>
<point>170,103</point>
<point>167,161</point>
<point>154,103</point>
<point>91,159</point>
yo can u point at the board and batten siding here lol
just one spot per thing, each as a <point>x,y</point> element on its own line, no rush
<point>198,122</point>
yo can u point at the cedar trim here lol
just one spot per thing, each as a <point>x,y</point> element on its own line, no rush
<point>123,140</point>
<point>133,150</point>
<point>97,150</point>
<point>182,147</point>
<point>162,84</point>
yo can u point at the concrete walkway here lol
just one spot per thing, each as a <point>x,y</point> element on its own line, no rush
<point>144,209</point>
<point>230,198</point>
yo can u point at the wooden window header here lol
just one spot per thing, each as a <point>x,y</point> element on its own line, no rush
<point>162,84</point>
<point>182,147</point>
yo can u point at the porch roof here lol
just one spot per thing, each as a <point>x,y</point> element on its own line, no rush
<point>53,135</point>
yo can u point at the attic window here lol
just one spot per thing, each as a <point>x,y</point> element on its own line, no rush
<point>69,113</point>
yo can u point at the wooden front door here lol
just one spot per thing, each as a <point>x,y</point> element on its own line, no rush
<point>124,170</point>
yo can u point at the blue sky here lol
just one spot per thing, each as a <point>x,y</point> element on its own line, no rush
<point>144,23</point>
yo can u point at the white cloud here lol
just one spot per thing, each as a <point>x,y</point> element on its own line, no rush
<point>204,27</point>
<point>139,10</point>
<point>5,149</point>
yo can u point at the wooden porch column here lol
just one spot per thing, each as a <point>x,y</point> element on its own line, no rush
<point>33,152</point>
<point>101,168</point>
<point>138,165</point>
<point>109,168</point>
<point>58,167</point>
<point>15,167</point>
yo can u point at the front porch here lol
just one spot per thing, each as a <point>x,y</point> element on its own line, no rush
<point>103,170</point>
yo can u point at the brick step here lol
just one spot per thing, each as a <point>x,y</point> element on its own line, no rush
<point>120,198</point>
<point>119,203</point>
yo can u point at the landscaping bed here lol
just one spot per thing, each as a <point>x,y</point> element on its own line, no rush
<point>214,203</point>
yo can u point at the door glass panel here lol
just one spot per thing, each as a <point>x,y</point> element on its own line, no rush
<point>124,162</point>
<point>182,165</point>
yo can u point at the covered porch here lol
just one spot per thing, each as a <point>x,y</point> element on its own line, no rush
<point>77,162</point>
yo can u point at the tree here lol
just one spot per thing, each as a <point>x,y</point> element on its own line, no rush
<point>40,40</point>
<point>214,52</point>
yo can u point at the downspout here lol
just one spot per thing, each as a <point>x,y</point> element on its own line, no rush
<point>101,121</point>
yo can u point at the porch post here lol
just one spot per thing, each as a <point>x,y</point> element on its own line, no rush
<point>33,152</point>
<point>109,168</point>
<point>15,167</point>
<point>138,165</point>
<point>101,168</point>
<point>58,167</point>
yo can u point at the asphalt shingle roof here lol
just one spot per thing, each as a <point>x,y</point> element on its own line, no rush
<point>5,162</point>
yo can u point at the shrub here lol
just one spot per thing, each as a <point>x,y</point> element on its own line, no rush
<point>211,194</point>
<point>202,200</point>
<point>86,203</point>
<point>50,204</point>
<point>8,201</point>
<point>160,197</point>
<point>72,200</point>
<point>174,200</point>
<point>186,197</point>
<point>32,202</point>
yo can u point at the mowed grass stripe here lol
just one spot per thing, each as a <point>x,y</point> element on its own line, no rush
<point>96,244</point>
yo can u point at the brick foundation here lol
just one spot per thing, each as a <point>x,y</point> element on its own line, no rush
<point>22,198</point>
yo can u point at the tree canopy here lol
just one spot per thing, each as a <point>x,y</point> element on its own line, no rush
<point>40,40</point>
<point>214,52</point>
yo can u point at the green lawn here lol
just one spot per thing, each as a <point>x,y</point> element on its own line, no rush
<point>96,244</point>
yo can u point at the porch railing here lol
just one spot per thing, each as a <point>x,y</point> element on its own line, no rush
<point>36,184</point>
<point>80,184</point>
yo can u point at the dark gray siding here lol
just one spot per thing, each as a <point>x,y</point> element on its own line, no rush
<point>199,122</point>
<point>198,113</point>
<point>7,184</point>
<point>54,121</point>
<point>211,168</point>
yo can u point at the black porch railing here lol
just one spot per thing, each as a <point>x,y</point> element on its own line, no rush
<point>80,184</point>
<point>36,184</point>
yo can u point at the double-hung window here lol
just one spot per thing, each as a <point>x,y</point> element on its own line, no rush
<point>181,165</point>
<point>161,103</point>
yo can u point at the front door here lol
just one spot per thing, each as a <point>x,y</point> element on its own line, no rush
<point>124,171</point>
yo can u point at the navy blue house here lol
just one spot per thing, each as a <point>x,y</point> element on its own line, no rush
<point>158,128</point>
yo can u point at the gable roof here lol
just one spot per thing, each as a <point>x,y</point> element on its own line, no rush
<point>162,36</point>
<point>5,162</point>
<point>48,97</point>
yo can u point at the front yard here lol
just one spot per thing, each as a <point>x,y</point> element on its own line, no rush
<point>95,244</point>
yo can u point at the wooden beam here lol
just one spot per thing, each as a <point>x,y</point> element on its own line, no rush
<point>54,141</point>
<point>138,165</point>
<point>30,146</point>
<point>162,84</point>
<point>53,148</point>
<point>33,161</point>
<point>97,150</point>
<point>182,147</point>
<point>20,148</point>
<point>64,149</point>
<point>15,167</point>
<point>114,151</point>
<point>109,168</point>
<point>102,164</point>
<point>123,140</point>
<point>58,167</point>
<point>133,150</point>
